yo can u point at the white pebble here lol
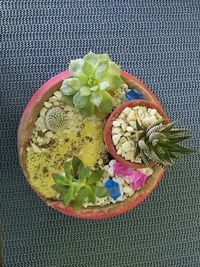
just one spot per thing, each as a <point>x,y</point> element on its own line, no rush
<point>152,111</point>
<point>126,146</point>
<point>53,99</point>
<point>58,94</point>
<point>112,162</point>
<point>127,110</point>
<point>130,129</point>
<point>127,134</point>
<point>116,123</point>
<point>133,124</point>
<point>43,111</point>
<point>124,125</point>
<point>119,151</point>
<point>47,104</point>
<point>148,120</point>
<point>129,155</point>
<point>115,138</point>
<point>35,148</point>
<point>110,171</point>
<point>49,134</point>
<point>116,130</point>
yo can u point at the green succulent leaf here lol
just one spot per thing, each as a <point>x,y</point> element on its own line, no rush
<point>67,171</point>
<point>179,139</point>
<point>68,99</point>
<point>104,85</point>
<point>87,111</point>
<point>101,66</point>
<point>95,176</point>
<point>75,163</point>
<point>60,179</point>
<point>59,188</point>
<point>113,68</point>
<point>66,87</point>
<point>80,101</point>
<point>67,195</point>
<point>80,198</point>
<point>88,68</point>
<point>114,81</point>
<point>138,126</point>
<point>101,191</point>
<point>83,79</point>
<point>104,57</point>
<point>96,98</point>
<point>106,104</point>
<point>91,195</point>
<point>75,67</point>
<point>91,58</point>
<point>83,173</point>
<point>85,91</point>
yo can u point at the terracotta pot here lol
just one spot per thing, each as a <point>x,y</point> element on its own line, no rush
<point>26,126</point>
<point>108,128</point>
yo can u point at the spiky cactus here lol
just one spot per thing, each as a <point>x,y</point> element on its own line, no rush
<point>55,119</point>
<point>160,143</point>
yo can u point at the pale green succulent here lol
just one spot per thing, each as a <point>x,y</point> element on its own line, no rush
<point>92,78</point>
<point>55,119</point>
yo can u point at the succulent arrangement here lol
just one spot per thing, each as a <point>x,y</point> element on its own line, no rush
<point>78,184</point>
<point>160,143</point>
<point>73,121</point>
<point>93,79</point>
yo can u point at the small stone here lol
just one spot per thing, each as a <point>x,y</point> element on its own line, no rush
<point>47,140</point>
<point>127,134</point>
<point>112,162</point>
<point>47,104</point>
<point>122,140</point>
<point>35,148</point>
<point>152,111</point>
<point>127,110</point>
<point>119,151</point>
<point>130,129</point>
<point>127,190</point>
<point>124,126</point>
<point>148,121</point>
<point>132,124</point>
<point>129,155</point>
<point>116,130</point>
<point>126,146</point>
<point>43,111</point>
<point>40,123</point>
<point>116,123</point>
<point>53,99</point>
<point>58,94</point>
<point>49,134</point>
<point>56,104</point>
<point>131,116</point>
<point>110,171</point>
<point>115,139</point>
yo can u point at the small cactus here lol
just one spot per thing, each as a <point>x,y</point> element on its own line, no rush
<point>55,119</point>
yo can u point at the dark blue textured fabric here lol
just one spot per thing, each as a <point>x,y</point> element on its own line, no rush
<point>157,41</point>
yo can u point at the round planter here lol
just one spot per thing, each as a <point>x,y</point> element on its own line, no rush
<point>108,128</point>
<point>26,126</point>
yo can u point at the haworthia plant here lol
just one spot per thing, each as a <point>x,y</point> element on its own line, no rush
<point>160,143</point>
<point>91,79</point>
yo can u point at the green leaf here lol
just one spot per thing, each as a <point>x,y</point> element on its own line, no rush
<point>83,79</point>
<point>80,101</point>
<point>75,163</point>
<point>75,67</point>
<point>95,176</point>
<point>103,57</point>
<point>113,68</point>
<point>91,58</point>
<point>101,66</point>
<point>59,188</point>
<point>66,87</point>
<point>104,85</point>
<point>94,88</point>
<point>87,68</point>
<point>68,99</point>
<point>80,198</point>
<point>179,139</point>
<point>83,173</point>
<point>67,170</point>
<point>59,179</point>
<point>115,81</point>
<point>96,98</point>
<point>91,195</point>
<point>107,103</point>
<point>85,91</point>
<point>168,127</point>
<point>87,111</point>
<point>66,196</point>
<point>101,191</point>
<point>138,126</point>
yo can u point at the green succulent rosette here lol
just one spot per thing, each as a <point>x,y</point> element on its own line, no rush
<point>91,79</point>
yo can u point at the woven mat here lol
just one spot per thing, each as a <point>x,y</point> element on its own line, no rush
<point>157,41</point>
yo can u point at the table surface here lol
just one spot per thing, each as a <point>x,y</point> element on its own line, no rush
<point>158,42</point>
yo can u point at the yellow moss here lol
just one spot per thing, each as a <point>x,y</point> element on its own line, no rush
<point>86,143</point>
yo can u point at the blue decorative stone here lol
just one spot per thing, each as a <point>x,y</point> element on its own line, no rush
<point>113,189</point>
<point>133,94</point>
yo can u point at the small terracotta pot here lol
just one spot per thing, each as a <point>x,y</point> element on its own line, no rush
<point>26,126</point>
<point>108,128</point>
